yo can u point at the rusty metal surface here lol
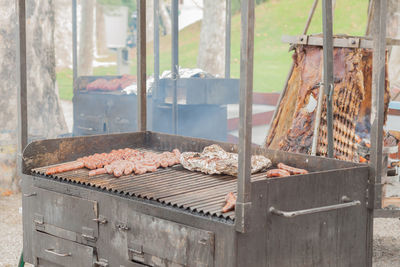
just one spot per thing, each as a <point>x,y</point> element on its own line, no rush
<point>174,186</point>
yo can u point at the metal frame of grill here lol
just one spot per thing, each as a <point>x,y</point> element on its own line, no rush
<point>262,233</point>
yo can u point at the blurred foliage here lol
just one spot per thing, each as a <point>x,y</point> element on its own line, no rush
<point>271,58</point>
<point>235,5</point>
<point>129,3</point>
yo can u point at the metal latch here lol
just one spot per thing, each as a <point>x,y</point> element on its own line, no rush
<point>122,226</point>
<point>101,263</point>
<point>38,219</point>
<point>101,220</point>
<point>88,234</point>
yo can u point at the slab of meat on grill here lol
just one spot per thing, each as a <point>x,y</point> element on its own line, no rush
<point>292,129</point>
<point>215,160</point>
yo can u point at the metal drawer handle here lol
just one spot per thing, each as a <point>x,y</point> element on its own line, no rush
<point>30,194</point>
<point>51,251</point>
<point>290,214</point>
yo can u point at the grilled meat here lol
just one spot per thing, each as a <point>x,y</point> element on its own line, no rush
<point>291,170</point>
<point>111,85</point>
<point>121,162</point>
<point>97,172</point>
<point>292,129</point>
<point>70,166</point>
<point>277,173</point>
<point>215,160</point>
<point>230,200</point>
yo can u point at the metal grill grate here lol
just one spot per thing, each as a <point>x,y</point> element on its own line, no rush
<point>174,186</point>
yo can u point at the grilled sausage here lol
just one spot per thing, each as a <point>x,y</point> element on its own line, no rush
<point>291,170</point>
<point>97,172</point>
<point>120,162</point>
<point>164,163</point>
<point>118,171</point>
<point>140,170</point>
<point>70,166</point>
<point>230,200</point>
<point>277,173</point>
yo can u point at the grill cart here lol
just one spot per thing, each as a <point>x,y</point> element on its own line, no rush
<point>172,217</point>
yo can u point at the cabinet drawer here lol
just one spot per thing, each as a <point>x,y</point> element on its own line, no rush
<point>52,251</point>
<point>65,216</point>
<point>157,242</point>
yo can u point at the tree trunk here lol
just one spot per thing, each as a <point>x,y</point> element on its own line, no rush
<point>45,117</point>
<point>8,96</point>
<point>211,56</point>
<point>63,33</point>
<point>86,43</point>
<point>165,17</point>
<point>101,43</point>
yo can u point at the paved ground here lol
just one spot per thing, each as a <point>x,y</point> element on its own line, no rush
<point>386,236</point>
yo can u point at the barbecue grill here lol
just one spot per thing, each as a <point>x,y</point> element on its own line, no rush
<point>100,112</point>
<point>173,217</point>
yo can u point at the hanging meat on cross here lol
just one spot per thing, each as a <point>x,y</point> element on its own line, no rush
<point>292,129</point>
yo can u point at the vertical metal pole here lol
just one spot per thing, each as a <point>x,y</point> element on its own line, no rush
<point>74,44</point>
<point>243,203</point>
<point>141,65</point>
<point>377,110</point>
<point>22,85</point>
<point>175,63</point>
<point>228,39</point>
<point>328,68</point>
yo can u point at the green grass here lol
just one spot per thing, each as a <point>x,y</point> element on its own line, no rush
<point>271,58</point>
<point>64,82</point>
